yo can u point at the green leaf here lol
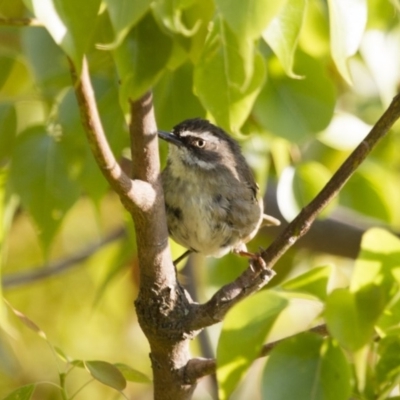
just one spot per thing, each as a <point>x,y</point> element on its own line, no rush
<point>106,373</point>
<point>347,21</point>
<point>132,375</point>
<point>47,61</point>
<point>372,191</point>
<point>282,34</point>
<point>228,77</point>
<point>314,282</point>
<point>8,128</point>
<point>39,174</point>
<point>388,365</point>
<point>172,15</point>
<point>22,393</point>
<point>248,18</point>
<point>296,109</point>
<point>26,321</point>
<point>243,333</point>
<point>378,262</point>
<point>348,321</point>
<point>306,367</point>
<point>174,100</point>
<point>141,59</point>
<point>6,66</point>
<point>125,14</point>
<point>70,22</point>
<point>297,187</point>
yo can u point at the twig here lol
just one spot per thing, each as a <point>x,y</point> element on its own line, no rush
<point>132,193</point>
<point>257,276</point>
<point>197,368</point>
<point>20,22</point>
<point>37,273</point>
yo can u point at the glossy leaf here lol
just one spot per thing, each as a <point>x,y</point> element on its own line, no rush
<point>47,61</point>
<point>69,22</point>
<point>141,59</point>
<point>314,282</point>
<point>297,187</point>
<point>125,14</point>
<point>283,32</point>
<point>174,100</point>
<point>372,191</point>
<point>292,108</point>
<point>22,393</point>
<point>243,333</point>
<point>248,18</point>
<point>225,82</point>
<point>347,318</point>
<point>347,20</point>
<point>131,374</point>
<point>171,13</point>
<point>345,132</point>
<point>39,175</point>
<point>306,367</point>
<point>106,373</point>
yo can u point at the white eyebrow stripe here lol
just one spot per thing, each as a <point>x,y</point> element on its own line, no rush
<point>208,136</point>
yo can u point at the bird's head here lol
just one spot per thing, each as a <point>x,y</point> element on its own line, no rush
<point>197,143</point>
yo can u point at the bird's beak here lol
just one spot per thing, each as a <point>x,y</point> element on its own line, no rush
<point>170,138</point>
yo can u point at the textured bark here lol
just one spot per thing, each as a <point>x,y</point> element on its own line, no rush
<point>168,316</point>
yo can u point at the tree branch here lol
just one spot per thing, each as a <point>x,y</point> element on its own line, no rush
<point>20,22</point>
<point>132,192</point>
<point>197,368</point>
<point>258,275</point>
<point>37,273</point>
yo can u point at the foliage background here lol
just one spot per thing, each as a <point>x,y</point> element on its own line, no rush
<point>298,82</point>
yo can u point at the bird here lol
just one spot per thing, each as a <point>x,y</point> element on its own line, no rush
<point>212,202</point>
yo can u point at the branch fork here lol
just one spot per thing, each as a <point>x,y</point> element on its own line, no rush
<point>166,312</point>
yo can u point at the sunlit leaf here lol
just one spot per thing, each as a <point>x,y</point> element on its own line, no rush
<point>125,14</point>
<point>298,186</point>
<point>243,333</point>
<point>345,132</point>
<point>39,175</point>
<point>314,282</point>
<point>225,82</point>
<point>132,375</point>
<point>306,367</point>
<point>69,22</point>
<point>372,191</point>
<point>26,321</point>
<point>141,59</point>
<point>22,393</point>
<point>348,321</point>
<point>248,18</point>
<point>292,108</point>
<point>172,15</point>
<point>106,373</point>
<point>282,33</point>
<point>347,21</point>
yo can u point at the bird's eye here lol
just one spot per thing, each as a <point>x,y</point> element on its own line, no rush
<point>200,143</point>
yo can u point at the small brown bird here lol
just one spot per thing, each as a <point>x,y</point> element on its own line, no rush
<point>212,201</point>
